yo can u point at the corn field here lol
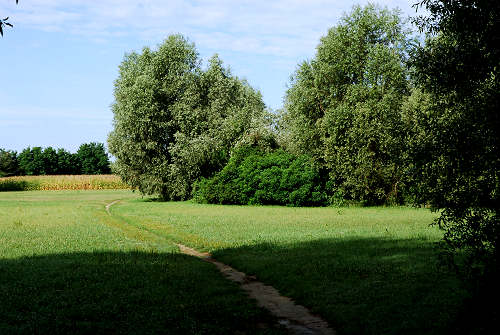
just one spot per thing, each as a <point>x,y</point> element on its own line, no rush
<point>61,182</point>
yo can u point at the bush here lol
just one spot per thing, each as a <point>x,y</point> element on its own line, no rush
<point>253,176</point>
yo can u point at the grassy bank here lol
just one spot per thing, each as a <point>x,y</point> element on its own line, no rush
<point>61,182</point>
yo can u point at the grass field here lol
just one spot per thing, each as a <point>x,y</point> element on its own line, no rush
<point>66,266</point>
<point>64,261</point>
<point>61,182</point>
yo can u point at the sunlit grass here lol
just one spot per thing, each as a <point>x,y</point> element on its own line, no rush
<point>366,270</point>
<point>67,267</point>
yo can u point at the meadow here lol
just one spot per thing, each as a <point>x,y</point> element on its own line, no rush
<point>66,265</point>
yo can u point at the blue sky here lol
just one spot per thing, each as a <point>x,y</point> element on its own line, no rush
<point>58,64</point>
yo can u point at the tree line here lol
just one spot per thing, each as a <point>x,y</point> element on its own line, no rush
<point>91,158</point>
<point>377,116</point>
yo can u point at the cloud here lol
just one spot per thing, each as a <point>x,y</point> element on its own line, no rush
<point>282,28</point>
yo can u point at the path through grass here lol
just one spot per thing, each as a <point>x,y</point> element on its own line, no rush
<point>366,270</point>
<point>66,266</point>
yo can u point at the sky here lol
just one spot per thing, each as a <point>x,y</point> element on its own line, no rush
<point>59,62</point>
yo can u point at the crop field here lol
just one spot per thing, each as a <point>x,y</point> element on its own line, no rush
<point>67,265</point>
<point>61,182</point>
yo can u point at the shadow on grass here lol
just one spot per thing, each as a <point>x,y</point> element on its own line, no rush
<point>121,293</point>
<point>360,285</point>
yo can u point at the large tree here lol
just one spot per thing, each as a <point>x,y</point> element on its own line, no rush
<point>173,121</point>
<point>457,158</point>
<point>344,106</point>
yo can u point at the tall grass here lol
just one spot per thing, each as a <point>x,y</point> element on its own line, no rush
<point>61,182</point>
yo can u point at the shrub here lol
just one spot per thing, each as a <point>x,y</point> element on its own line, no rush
<point>253,176</point>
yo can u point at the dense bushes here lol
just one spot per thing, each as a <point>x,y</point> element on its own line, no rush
<point>254,176</point>
<point>91,158</point>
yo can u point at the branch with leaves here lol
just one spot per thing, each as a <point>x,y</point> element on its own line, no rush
<point>4,22</point>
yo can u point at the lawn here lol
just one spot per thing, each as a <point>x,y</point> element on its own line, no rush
<point>365,270</point>
<point>65,264</point>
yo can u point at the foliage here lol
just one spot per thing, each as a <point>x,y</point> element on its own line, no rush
<point>458,165</point>
<point>253,176</point>
<point>68,163</point>
<point>92,158</point>
<point>344,106</point>
<point>173,121</point>
<point>31,162</point>
<point>9,165</point>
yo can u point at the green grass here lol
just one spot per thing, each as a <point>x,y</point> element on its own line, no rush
<point>66,266</point>
<point>366,270</point>
<point>64,261</point>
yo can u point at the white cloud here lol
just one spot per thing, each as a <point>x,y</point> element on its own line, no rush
<point>283,28</point>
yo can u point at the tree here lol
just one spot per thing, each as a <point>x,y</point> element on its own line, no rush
<point>92,159</point>
<point>9,165</point>
<point>67,162</point>
<point>458,162</point>
<point>344,106</point>
<point>50,161</point>
<point>174,122</point>
<point>31,162</point>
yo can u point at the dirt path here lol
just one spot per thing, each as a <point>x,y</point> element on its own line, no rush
<point>297,319</point>
<point>111,204</point>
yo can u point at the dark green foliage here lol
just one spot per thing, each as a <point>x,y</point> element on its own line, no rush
<point>67,163</point>
<point>173,121</point>
<point>50,161</point>
<point>9,165</point>
<point>93,159</point>
<point>344,106</point>
<point>265,178</point>
<point>457,162</point>
<point>31,162</point>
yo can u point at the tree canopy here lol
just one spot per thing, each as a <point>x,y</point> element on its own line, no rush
<point>175,122</point>
<point>456,156</point>
<point>344,106</point>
